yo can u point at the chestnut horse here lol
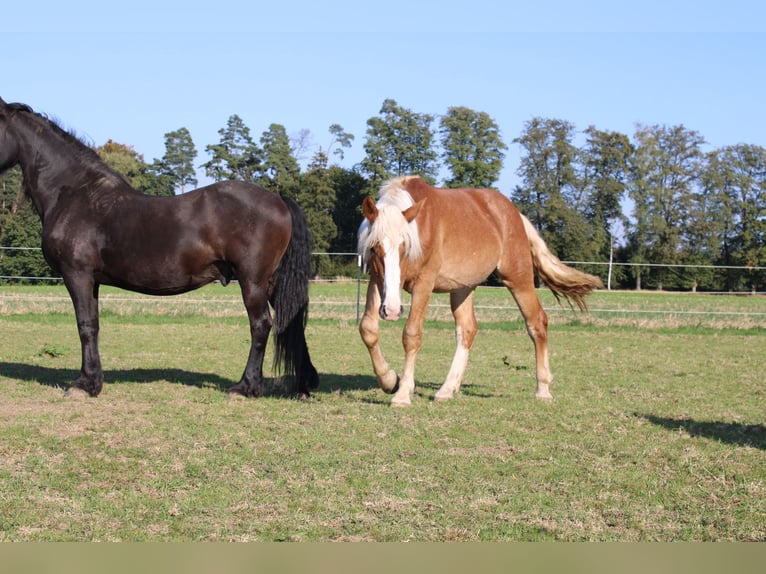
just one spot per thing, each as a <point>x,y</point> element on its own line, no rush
<point>97,230</point>
<point>425,240</point>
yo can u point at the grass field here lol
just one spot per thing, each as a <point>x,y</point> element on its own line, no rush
<point>656,432</point>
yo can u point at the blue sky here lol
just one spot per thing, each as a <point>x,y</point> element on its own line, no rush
<point>132,72</point>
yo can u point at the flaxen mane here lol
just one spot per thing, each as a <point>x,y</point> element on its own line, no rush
<point>390,223</point>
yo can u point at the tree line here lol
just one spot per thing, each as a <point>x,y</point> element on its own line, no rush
<point>654,197</point>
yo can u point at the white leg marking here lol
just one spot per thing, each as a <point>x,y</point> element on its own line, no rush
<point>451,384</point>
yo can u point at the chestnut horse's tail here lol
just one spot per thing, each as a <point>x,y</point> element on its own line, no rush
<point>561,279</point>
<point>290,300</point>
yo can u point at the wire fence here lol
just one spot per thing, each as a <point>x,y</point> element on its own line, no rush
<point>338,266</point>
<point>337,293</point>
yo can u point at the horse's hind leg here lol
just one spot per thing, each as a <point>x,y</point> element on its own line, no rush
<point>537,327</point>
<point>465,332</point>
<point>255,297</point>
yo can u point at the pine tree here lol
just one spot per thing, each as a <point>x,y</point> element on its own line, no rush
<point>236,156</point>
<point>178,161</point>
<point>317,198</point>
<point>280,171</point>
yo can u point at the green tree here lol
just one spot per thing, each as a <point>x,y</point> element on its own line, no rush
<point>605,158</point>
<point>280,171</point>
<point>23,230</point>
<point>399,142</point>
<point>666,166</point>
<point>11,195</point>
<point>472,148</point>
<point>551,192</point>
<point>126,161</point>
<point>317,198</point>
<point>131,165</point>
<point>340,140</point>
<point>350,190</point>
<point>20,230</point>
<point>236,156</point>
<point>735,183</point>
<point>178,161</point>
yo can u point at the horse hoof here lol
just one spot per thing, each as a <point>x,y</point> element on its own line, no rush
<point>400,404</point>
<point>76,393</point>
<point>443,398</point>
<point>545,397</point>
<point>389,382</point>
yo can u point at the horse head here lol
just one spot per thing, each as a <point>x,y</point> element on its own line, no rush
<point>387,244</point>
<point>8,145</point>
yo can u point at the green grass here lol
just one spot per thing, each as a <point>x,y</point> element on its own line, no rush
<point>656,432</point>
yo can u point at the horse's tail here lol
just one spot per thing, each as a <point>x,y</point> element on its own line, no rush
<point>290,300</point>
<point>561,279</point>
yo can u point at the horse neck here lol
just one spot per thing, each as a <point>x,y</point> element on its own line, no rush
<point>49,163</point>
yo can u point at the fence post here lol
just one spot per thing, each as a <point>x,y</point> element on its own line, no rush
<point>609,274</point>
<point>358,283</point>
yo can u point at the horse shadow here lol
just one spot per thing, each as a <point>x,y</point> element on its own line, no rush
<point>275,387</point>
<point>61,378</point>
<point>731,433</point>
<point>333,383</point>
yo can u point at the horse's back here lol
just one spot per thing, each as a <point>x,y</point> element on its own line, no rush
<point>473,214</point>
<point>240,195</point>
<point>174,244</point>
<point>465,232</point>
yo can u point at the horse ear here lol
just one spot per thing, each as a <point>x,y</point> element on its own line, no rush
<point>369,209</point>
<point>412,212</point>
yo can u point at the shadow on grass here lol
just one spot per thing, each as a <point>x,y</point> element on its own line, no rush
<point>275,386</point>
<point>329,383</point>
<point>61,378</point>
<point>731,433</point>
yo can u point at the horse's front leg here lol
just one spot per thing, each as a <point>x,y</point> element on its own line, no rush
<point>412,339</point>
<point>84,293</point>
<point>369,329</point>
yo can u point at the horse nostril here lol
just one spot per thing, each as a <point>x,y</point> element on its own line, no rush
<point>382,312</point>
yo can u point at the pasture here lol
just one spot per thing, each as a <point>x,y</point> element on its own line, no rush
<point>656,431</point>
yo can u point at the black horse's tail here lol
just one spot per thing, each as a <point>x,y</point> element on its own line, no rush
<point>290,300</point>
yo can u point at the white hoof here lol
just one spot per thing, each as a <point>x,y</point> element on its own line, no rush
<point>544,395</point>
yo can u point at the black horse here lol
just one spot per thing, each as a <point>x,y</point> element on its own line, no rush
<point>97,230</point>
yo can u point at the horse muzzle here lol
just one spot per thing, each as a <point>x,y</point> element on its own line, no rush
<point>387,315</point>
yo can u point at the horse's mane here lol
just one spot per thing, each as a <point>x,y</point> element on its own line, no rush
<point>85,153</point>
<point>390,223</point>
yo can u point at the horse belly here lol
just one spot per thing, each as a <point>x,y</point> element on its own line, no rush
<point>159,273</point>
<point>467,271</point>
